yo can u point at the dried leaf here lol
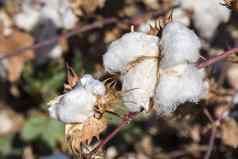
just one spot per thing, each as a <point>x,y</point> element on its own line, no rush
<point>89,6</point>
<point>77,135</point>
<point>230,132</point>
<point>231,4</point>
<point>71,78</point>
<point>14,65</point>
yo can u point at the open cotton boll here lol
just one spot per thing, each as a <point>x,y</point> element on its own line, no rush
<point>177,85</point>
<point>75,106</point>
<point>139,85</point>
<point>208,15</point>
<point>27,20</point>
<point>60,14</point>
<point>94,86</point>
<point>178,45</point>
<point>127,49</point>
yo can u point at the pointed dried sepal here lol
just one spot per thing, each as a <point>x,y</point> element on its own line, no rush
<point>77,136</point>
<point>71,78</point>
<point>231,4</point>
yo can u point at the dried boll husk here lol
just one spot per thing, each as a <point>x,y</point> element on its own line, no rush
<point>178,45</point>
<point>135,57</point>
<point>127,49</point>
<point>177,85</point>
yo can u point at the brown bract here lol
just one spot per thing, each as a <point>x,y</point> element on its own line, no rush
<point>230,132</point>
<point>10,43</point>
<point>231,4</point>
<point>86,6</point>
<point>79,135</point>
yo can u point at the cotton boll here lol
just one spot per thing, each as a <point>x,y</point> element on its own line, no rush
<point>178,45</point>
<point>92,85</point>
<point>127,49</point>
<point>60,13</point>
<point>176,88</point>
<point>139,85</point>
<point>27,20</point>
<point>75,106</point>
<point>207,15</point>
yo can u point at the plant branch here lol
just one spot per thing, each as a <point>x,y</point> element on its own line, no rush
<point>125,120</point>
<point>217,58</point>
<point>66,35</point>
<point>136,20</point>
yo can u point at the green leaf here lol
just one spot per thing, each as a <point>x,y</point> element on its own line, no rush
<point>53,132</point>
<point>49,130</point>
<point>33,128</point>
<point>5,145</point>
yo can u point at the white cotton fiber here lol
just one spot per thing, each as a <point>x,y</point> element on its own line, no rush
<point>127,49</point>
<point>139,85</point>
<point>208,15</point>
<point>178,85</point>
<point>179,15</point>
<point>94,86</point>
<point>58,11</point>
<point>75,106</point>
<point>178,45</point>
<point>27,20</point>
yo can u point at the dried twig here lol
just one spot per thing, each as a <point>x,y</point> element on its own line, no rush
<point>125,120</point>
<point>76,30</point>
<point>217,58</point>
<point>79,29</point>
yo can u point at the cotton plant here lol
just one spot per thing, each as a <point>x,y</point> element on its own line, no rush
<point>156,74</point>
<point>44,18</point>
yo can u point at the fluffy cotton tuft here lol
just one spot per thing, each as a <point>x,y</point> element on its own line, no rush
<point>207,15</point>
<point>138,79</point>
<point>77,105</point>
<point>94,86</point>
<point>58,11</point>
<point>139,85</point>
<point>127,49</point>
<point>177,85</point>
<point>178,45</point>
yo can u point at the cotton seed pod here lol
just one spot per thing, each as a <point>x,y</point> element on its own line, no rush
<point>177,85</point>
<point>139,85</point>
<point>129,48</point>
<point>178,45</point>
<point>77,105</point>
